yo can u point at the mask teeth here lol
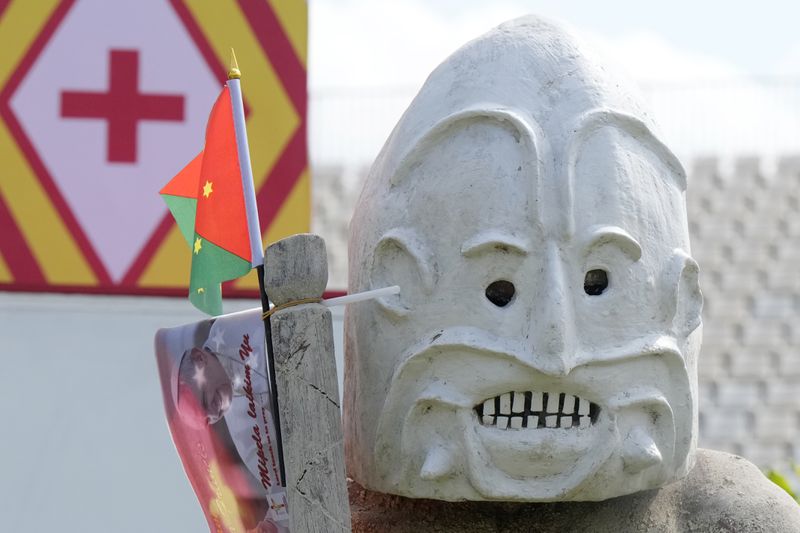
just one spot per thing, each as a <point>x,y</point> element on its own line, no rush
<point>533,410</point>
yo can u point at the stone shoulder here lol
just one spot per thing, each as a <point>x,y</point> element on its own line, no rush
<point>725,492</point>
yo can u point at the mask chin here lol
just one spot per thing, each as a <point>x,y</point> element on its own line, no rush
<point>436,437</point>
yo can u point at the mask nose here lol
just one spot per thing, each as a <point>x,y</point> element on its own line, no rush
<point>552,318</point>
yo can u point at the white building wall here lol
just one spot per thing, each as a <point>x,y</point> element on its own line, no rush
<point>85,445</point>
<point>745,223</point>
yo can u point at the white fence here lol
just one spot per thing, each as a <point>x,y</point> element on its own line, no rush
<point>724,118</point>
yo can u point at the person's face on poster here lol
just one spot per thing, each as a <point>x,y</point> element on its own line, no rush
<point>205,390</point>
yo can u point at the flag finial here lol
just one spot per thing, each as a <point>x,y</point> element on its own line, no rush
<point>234,73</point>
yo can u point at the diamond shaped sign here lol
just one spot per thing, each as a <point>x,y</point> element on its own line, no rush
<point>105,102</point>
<point>109,109</point>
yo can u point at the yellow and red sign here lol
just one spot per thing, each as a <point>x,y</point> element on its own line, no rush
<point>102,102</point>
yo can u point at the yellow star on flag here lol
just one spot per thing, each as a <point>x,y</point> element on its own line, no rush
<point>200,290</point>
<point>198,243</point>
<point>207,189</point>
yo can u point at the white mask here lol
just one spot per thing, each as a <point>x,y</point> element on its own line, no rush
<point>544,343</point>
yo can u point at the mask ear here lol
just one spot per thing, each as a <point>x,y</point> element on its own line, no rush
<point>685,303</point>
<point>401,258</point>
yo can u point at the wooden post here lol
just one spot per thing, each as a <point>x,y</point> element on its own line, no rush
<point>296,269</point>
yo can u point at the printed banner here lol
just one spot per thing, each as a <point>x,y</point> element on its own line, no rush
<point>217,402</point>
<point>103,101</point>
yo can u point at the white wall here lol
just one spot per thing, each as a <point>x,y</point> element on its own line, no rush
<point>85,445</point>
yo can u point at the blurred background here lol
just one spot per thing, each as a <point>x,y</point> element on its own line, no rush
<point>85,443</point>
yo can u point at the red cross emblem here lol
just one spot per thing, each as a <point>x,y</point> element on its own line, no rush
<point>122,106</point>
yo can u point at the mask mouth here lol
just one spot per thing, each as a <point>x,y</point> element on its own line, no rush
<point>537,410</point>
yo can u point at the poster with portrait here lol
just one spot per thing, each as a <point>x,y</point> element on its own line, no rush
<point>214,380</point>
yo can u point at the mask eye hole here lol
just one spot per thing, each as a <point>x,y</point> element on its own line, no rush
<point>500,292</point>
<point>595,282</point>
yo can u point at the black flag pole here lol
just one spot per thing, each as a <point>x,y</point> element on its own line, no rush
<point>273,383</point>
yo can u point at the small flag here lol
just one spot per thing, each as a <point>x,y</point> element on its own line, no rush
<point>209,201</point>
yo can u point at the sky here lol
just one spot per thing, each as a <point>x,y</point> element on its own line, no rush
<point>393,41</point>
<point>710,68</point>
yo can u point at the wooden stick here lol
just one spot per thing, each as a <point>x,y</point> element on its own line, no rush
<point>305,368</point>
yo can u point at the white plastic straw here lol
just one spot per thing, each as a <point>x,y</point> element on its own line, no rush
<point>361,296</point>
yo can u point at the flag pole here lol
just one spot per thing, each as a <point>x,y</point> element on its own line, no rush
<point>256,249</point>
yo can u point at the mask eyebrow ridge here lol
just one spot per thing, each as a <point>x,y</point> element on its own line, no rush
<point>599,235</point>
<point>486,241</point>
